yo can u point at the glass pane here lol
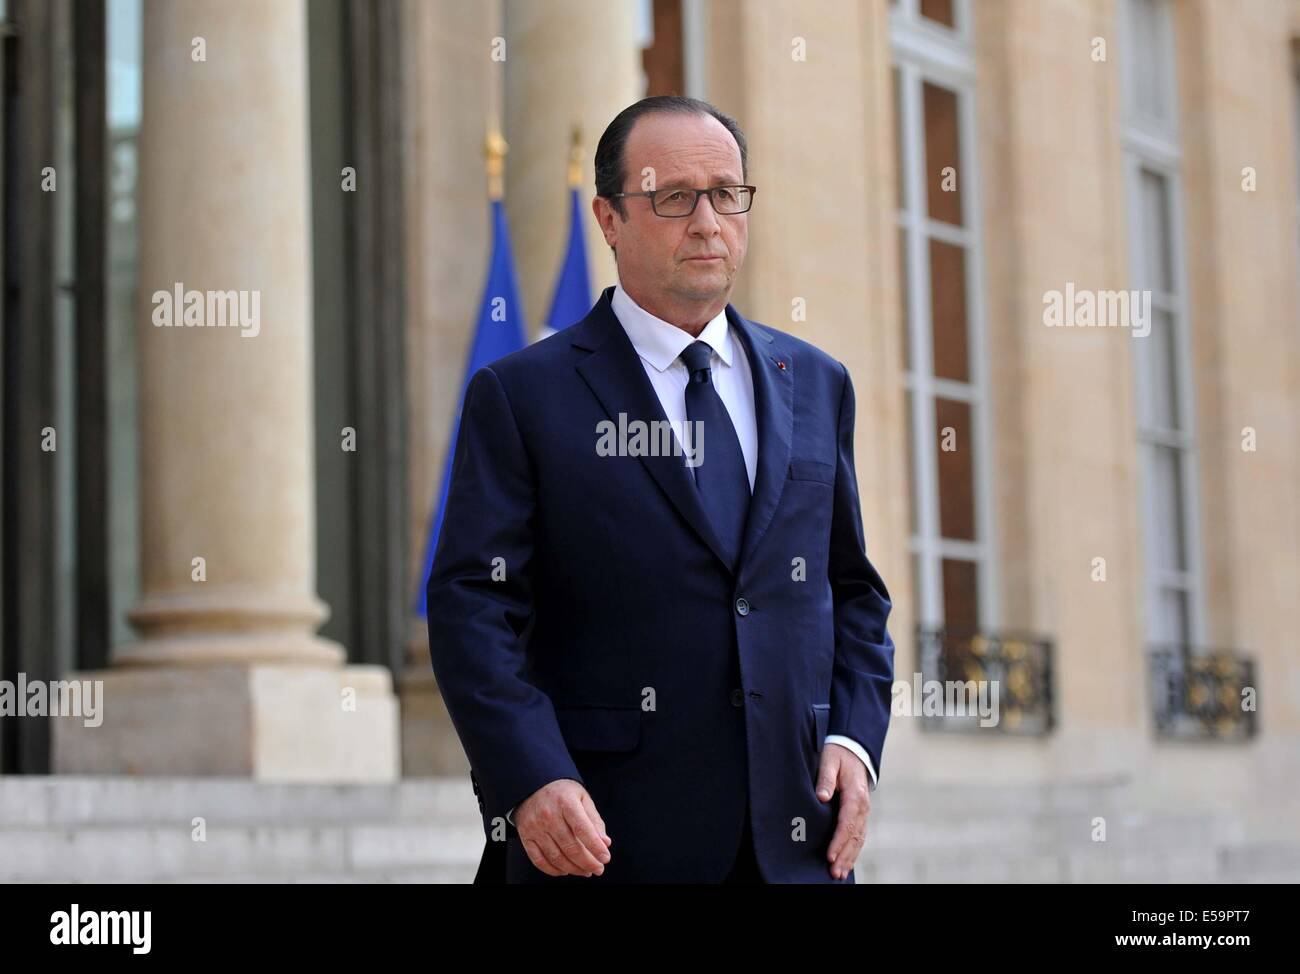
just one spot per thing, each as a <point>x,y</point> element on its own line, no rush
<point>942,152</point>
<point>960,594</point>
<point>903,299</point>
<point>948,311</point>
<point>955,450</point>
<point>1157,355</point>
<point>1168,531</point>
<point>939,11</point>
<point>1156,258</point>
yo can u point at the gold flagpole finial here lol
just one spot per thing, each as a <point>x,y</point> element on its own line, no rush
<point>494,150</point>
<point>575,157</point>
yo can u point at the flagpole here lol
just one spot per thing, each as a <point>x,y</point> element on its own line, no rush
<point>494,151</point>
<point>575,156</point>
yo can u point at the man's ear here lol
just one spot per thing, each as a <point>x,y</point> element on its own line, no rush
<point>600,208</point>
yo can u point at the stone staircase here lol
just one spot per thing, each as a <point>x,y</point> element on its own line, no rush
<point>141,830</point>
<point>116,829</point>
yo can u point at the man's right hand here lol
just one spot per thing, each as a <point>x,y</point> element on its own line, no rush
<point>561,830</point>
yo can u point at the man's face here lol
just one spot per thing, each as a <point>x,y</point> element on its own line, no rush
<point>657,255</point>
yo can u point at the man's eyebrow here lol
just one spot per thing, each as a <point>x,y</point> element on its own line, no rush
<point>679,182</point>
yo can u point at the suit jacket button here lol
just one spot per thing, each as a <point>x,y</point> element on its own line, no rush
<point>738,697</point>
<point>742,606</point>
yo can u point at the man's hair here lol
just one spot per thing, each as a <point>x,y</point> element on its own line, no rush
<point>610,164</point>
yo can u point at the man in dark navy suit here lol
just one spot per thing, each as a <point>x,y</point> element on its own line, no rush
<point>651,611</point>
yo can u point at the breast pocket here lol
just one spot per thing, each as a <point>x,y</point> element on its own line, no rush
<point>812,470</point>
<point>807,504</point>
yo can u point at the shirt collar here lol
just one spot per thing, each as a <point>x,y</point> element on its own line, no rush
<point>661,343</point>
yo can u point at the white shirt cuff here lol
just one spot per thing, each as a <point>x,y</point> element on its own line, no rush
<point>857,749</point>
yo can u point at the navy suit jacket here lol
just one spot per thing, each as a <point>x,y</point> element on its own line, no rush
<point>584,622</point>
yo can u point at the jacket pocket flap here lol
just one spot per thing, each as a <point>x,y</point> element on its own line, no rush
<point>823,473</point>
<point>821,721</point>
<point>600,728</point>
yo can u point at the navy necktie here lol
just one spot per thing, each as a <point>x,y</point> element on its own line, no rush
<point>721,476</point>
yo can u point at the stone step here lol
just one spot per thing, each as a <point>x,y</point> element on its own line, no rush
<point>460,873</point>
<point>1067,831</point>
<point>1260,862</point>
<point>42,800</point>
<point>126,854</point>
<point>45,801</point>
<point>101,829</point>
<point>1020,865</point>
<point>939,801</point>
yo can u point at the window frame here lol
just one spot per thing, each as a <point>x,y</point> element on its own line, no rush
<point>922,51</point>
<point>1152,145</point>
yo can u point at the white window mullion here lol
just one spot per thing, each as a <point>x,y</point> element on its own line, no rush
<point>918,287</point>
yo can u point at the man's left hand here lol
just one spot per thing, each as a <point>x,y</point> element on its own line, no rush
<point>843,771</point>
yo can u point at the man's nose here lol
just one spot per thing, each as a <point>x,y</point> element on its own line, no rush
<point>704,219</point>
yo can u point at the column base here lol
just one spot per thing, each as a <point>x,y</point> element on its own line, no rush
<point>267,721</point>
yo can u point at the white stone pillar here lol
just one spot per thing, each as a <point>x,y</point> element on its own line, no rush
<point>567,62</point>
<point>229,676</point>
<point>450,87</point>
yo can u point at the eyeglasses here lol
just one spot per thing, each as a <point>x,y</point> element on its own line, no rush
<point>726,200</point>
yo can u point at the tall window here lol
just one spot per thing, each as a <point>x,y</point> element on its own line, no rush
<point>944,362</point>
<point>1162,358</point>
<point>672,35</point>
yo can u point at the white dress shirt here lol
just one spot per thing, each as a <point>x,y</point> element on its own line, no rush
<point>660,345</point>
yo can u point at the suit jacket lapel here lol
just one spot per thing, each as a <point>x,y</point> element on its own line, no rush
<point>772,366</point>
<point>615,374</point>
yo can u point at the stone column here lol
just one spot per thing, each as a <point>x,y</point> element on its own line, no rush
<point>567,62</point>
<point>452,83</point>
<point>229,676</point>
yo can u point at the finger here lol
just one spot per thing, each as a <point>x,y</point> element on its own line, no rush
<point>538,858</point>
<point>599,822</point>
<point>853,808</point>
<point>843,827</point>
<point>555,855</point>
<point>849,854</point>
<point>828,774</point>
<point>590,849</point>
<point>850,832</point>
